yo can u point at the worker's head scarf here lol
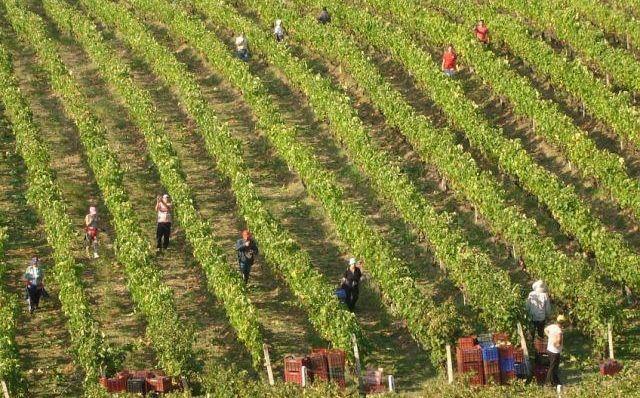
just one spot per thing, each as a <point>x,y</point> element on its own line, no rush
<point>539,286</point>
<point>93,211</point>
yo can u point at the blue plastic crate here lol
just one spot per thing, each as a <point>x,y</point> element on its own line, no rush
<point>489,353</point>
<point>507,364</point>
<point>520,369</point>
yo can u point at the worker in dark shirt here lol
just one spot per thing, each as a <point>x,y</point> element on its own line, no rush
<point>351,283</point>
<point>324,16</point>
<point>247,252</point>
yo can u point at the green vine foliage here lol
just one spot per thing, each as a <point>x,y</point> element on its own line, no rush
<point>573,214</point>
<point>430,324</point>
<point>10,370</point>
<point>222,279</point>
<point>557,128</point>
<point>585,39</point>
<point>487,288</point>
<point>89,348</point>
<point>171,338</point>
<point>478,187</point>
<point>608,18</point>
<point>613,109</point>
<point>314,293</point>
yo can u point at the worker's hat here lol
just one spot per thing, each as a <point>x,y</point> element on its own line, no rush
<point>352,261</point>
<point>561,318</point>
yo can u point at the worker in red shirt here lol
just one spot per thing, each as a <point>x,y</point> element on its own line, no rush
<point>449,61</point>
<point>482,32</point>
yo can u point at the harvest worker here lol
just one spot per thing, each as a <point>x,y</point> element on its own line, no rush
<point>242,47</point>
<point>539,306</point>
<point>34,277</point>
<point>278,30</point>
<point>482,32</point>
<point>449,61</point>
<point>351,283</point>
<point>247,251</point>
<point>91,231</point>
<point>163,229</point>
<point>554,348</point>
<point>324,16</point>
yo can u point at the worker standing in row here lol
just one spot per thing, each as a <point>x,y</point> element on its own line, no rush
<point>91,231</point>
<point>34,278</point>
<point>539,307</point>
<point>163,227</point>
<point>247,251</point>
<point>242,47</point>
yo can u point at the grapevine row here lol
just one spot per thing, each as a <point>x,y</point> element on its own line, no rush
<point>392,275</point>
<point>44,195</point>
<point>171,339</point>
<point>438,146</point>
<point>572,213</point>
<point>485,285</point>
<point>603,166</point>
<point>606,17</point>
<point>10,370</point>
<point>312,290</point>
<point>222,280</point>
<point>598,99</point>
<point>584,38</point>
<point>632,6</point>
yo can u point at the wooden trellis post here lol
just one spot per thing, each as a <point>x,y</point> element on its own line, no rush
<point>267,363</point>
<point>610,339</point>
<point>449,364</point>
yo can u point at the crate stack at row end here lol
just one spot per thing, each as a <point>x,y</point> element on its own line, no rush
<point>541,367</point>
<point>491,359</point>
<point>320,365</point>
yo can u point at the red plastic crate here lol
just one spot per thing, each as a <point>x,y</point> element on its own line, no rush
<point>610,367</point>
<point>540,345</point>
<point>507,377</point>
<point>467,342</point>
<point>540,373</point>
<point>318,367</point>
<point>375,389</point>
<point>294,364</point>
<point>518,355</point>
<point>506,351</point>
<point>500,337</point>
<point>293,377</point>
<point>493,378</point>
<point>160,384</point>
<point>477,369</point>
<point>467,355</point>
<point>491,367</point>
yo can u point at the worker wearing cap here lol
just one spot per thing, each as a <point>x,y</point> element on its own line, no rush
<point>163,229</point>
<point>351,282</point>
<point>34,277</point>
<point>91,231</point>
<point>539,306</point>
<point>555,342</point>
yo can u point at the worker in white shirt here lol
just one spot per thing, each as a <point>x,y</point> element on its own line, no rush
<point>242,47</point>
<point>555,342</point>
<point>278,30</point>
<point>539,307</point>
<point>163,229</point>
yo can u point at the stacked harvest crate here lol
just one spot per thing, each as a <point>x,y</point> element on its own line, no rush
<point>139,381</point>
<point>542,359</point>
<point>321,365</point>
<point>469,358</point>
<point>490,358</point>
